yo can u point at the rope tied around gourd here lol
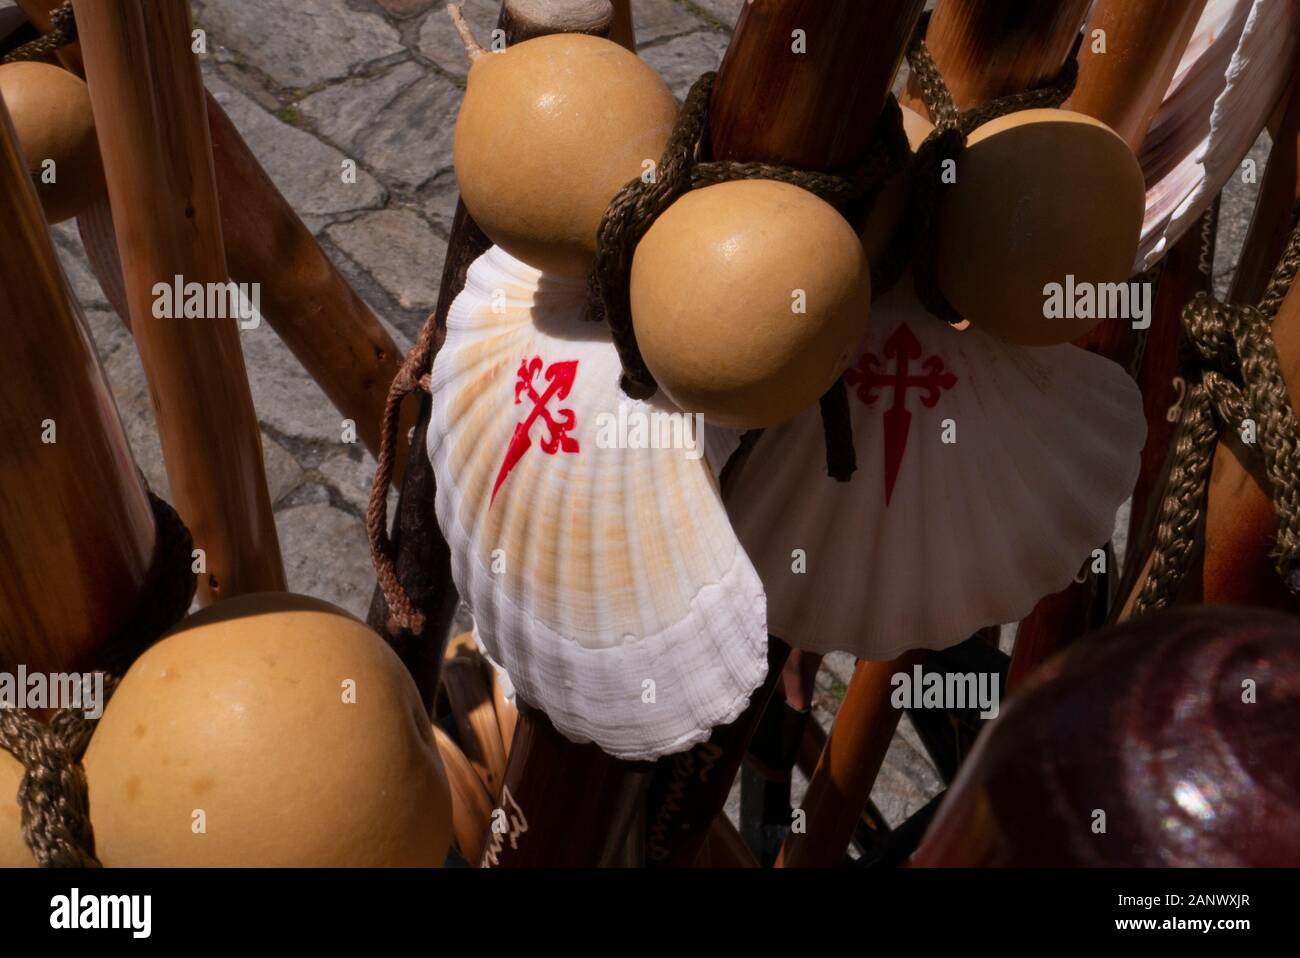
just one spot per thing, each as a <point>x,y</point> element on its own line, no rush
<point>916,241</point>
<point>1234,375</point>
<point>53,795</point>
<point>63,30</point>
<point>635,208</point>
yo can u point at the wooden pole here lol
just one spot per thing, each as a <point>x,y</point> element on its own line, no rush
<point>816,110</point>
<point>990,48</point>
<point>623,29</point>
<point>1125,71</point>
<point>1240,524</point>
<point>1123,87</point>
<point>985,50</point>
<point>147,95</point>
<point>305,298</point>
<point>847,770</point>
<point>77,534</point>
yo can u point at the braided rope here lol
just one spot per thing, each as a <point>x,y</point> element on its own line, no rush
<point>413,375</point>
<point>917,239</point>
<point>1240,378</point>
<point>63,30</point>
<point>52,794</point>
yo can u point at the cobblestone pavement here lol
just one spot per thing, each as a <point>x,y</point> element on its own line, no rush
<point>312,82</point>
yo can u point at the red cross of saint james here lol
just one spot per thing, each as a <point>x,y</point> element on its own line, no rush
<point>869,376</point>
<point>560,376</point>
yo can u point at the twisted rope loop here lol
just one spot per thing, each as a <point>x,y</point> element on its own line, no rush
<point>636,207</point>
<point>413,374</point>
<point>63,30</point>
<point>52,795</point>
<point>918,235</point>
<point>1240,379</point>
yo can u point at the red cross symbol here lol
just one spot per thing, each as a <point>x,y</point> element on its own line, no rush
<point>869,375</point>
<point>561,377</point>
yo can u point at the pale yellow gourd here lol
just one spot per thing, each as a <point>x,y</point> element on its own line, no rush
<point>1040,195</point>
<point>268,730</point>
<point>549,131</point>
<point>748,299</point>
<point>50,109</point>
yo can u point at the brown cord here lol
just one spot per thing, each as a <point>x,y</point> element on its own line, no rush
<point>63,30</point>
<point>636,207</point>
<point>52,795</point>
<point>1240,378</point>
<point>917,238</point>
<point>413,375</point>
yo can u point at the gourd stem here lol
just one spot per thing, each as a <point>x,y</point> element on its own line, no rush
<point>472,48</point>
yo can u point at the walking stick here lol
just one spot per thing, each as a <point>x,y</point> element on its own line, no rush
<point>306,300</point>
<point>147,94</point>
<point>1126,62</point>
<point>985,50</point>
<point>77,535</point>
<point>817,111</point>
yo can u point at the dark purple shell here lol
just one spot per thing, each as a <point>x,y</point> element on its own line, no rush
<point>1145,722</point>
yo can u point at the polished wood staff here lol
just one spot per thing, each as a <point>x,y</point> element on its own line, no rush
<point>77,534</point>
<point>306,300</point>
<point>818,111</point>
<point>147,94</point>
<point>985,50</point>
<point>1124,72</point>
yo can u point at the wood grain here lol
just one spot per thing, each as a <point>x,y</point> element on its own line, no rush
<point>986,49</point>
<point>1124,84</point>
<point>76,530</point>
<point>149,105</point>
<point>816,110</point>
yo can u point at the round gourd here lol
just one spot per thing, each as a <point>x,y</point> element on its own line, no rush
<point>1041,196</point>
<point>748,299</point>
<point>50,108</point>
<point>549,131</point>
<point>286,729</point>
<point>14,852</point>
<point>891,203</point>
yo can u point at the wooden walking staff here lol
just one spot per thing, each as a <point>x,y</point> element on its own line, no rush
<point>147,95</point>
<point>1124,71</point>
<point>305,299</point>
<point>77,534</point>
<point>1240,523</point>
<point>985,50</point>
<point>815,110</point>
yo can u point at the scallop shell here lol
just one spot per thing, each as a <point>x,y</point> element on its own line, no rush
<point>591,570</point>
<point>930,541</point>
<point>1232,74</point>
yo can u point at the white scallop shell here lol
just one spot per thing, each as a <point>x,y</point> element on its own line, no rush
<point>1232,74</point>
<point>595,570</point>
<point>973,533</point>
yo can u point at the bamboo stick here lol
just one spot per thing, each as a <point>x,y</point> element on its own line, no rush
<point>815,110</point>
<point>77,533</point>
<point>147,95</point>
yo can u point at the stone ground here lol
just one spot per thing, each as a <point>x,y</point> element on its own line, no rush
<point>311,83</point>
